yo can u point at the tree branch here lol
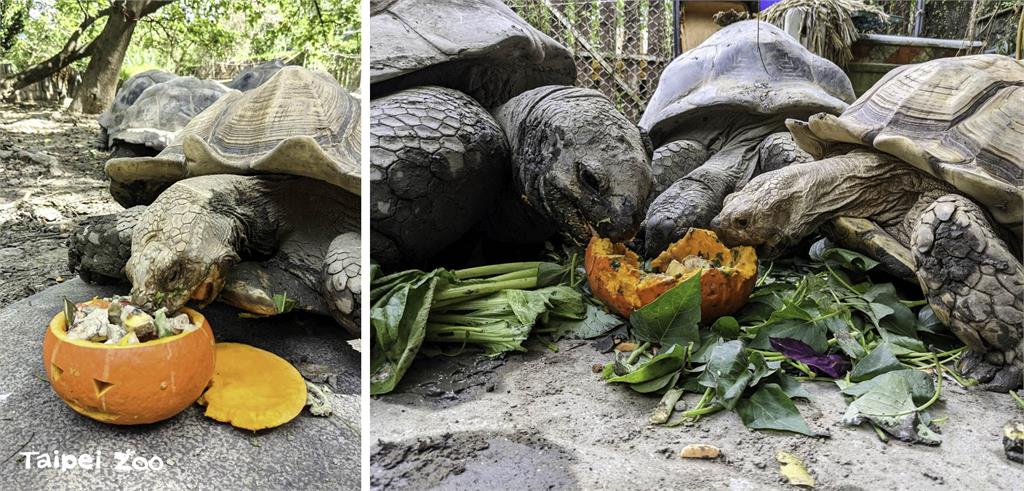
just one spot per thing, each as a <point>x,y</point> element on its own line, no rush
<point>70,53</point>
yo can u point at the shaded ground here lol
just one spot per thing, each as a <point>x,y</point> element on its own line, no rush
<point>544,419</point>
<point>307,453</point>
<point>50,174</point>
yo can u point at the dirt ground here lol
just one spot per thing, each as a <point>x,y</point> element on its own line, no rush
<point>544,420</point>
<point>51,175</point>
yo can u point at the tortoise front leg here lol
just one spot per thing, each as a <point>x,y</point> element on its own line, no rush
<point>99,249</point>
<point>341,274</point>
<point>974,284</point>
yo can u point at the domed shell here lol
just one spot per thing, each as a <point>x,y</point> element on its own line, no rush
<point>253,77</point>
<point>959,119</point>
<point>298,122</point>
<point>749,67</point>
<point>163,109</point>
<point>481,48</point>
<point>129,92</point>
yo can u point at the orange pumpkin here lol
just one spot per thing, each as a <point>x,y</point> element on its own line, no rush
<point>132,384</point>
<point>727,275</point>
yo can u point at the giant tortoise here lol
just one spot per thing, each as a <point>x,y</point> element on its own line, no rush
<point>473,122</point>
<point>264,203</point>
<point>129,92</point>
<point>159,112</point>
<point>927,169</point>
<point>718,117</point>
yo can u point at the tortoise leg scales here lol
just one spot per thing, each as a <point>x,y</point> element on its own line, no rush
<point>673,161</point>
<point>779,150</point>
<point>974,284</point>
<point>99,249</point>
<point>341,274</point>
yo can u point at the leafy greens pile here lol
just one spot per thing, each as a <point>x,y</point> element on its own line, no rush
<point>821,320</point>
<point>493,307</point>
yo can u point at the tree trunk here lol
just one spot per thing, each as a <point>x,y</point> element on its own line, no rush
<point>99,84</point>
<point>70,53</point>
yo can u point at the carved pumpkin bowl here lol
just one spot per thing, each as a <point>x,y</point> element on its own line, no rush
<point>133,384</point>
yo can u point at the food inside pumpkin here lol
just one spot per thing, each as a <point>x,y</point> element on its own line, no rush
<point>117,321</point>
<point>727,275</point>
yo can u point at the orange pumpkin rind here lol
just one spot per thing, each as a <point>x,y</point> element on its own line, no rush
<point>727,275</point>
<point>253,389</point>
<point>130,384</point>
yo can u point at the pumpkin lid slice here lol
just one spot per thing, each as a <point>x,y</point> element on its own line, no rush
<point>253,389</point>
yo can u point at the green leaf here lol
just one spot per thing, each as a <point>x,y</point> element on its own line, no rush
<point>879,361</point>
<point>770,409</point>
<point>727,373</point>
<point>919,383</point>
<point>69,312</point>
<point>596,323</point>
<point>399,321</point>
<point>656,384</point>
<point>840,327</point>
<point>665,363</point>
<point>727,326</point>
<point>791,386</point>
<point>813,334</point>
<point>759,368</point>
<point>672,318</point>
<point>845,258</point>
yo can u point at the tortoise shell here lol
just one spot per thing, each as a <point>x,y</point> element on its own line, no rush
<point>959,119</point>
<point>164,109</point>
<point>299,122</point>
<point>479,47</point>
<point>749,67</point>
<point>129,92</point>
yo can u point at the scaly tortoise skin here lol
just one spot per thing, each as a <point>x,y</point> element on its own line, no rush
<point>717,119</point>
<point>932,156</point>
<point>263,200</point>
<point>420,60</point>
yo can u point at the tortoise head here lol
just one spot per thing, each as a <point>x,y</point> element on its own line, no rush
<point>769,212</point>
<point>181,251</point>
<point>584,166</point>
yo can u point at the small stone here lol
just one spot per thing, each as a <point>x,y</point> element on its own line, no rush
<point>700,451</point>
<point>47,213</point>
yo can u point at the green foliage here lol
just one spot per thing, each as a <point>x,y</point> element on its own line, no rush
<point>13,14</point>
<point>185,35</point>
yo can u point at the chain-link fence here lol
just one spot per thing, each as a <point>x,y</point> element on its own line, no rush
<point>620,46</point>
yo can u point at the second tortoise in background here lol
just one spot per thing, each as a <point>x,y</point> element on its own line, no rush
<point>718,119</point>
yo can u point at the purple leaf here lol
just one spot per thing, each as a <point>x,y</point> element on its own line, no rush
<point>833,365</point>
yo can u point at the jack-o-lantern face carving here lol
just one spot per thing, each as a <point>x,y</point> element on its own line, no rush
<point>134,384</point>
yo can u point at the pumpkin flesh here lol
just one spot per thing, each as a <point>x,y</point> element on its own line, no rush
<point>727,275</point>
<point>253,389</point>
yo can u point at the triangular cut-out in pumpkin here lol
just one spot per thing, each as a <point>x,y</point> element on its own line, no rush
<point>56,372</point>
<point>102,387</point>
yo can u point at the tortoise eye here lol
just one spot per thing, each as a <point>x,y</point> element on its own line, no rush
<point>589,178</point>
<point>742,222</point>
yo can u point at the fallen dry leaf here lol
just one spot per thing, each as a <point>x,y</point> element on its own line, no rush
<point>793,469</point>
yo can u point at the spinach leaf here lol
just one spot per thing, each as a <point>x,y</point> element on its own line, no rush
<point>770,409</point>
<point>672,318</point>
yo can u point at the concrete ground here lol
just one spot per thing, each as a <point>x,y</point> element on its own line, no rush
<point>307,453</point>
<point>544,420</point>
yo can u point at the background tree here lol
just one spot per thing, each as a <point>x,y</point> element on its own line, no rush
<point>180,36</point>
